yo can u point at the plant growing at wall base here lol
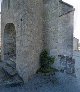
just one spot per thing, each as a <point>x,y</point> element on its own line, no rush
<point>45,62</point>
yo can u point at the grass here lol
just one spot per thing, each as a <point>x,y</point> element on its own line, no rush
<point>47,70</point>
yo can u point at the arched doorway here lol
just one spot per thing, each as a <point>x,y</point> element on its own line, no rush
<point>9,41</point>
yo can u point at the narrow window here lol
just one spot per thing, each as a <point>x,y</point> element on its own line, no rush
<point>8,4</point>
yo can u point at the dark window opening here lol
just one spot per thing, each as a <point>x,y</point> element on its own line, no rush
<point>8,4</point>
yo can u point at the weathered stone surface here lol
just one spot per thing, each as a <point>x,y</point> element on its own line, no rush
<point>66,64</point>
<point>65,35</point>
<point>9,76</point>
<point>38,26</point>
<point>9,70</point>
<point>51,26</point>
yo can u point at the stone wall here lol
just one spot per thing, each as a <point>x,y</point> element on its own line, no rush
<point>75,44</point>
<point>65,38</point>
<point>38,26</point>
<point>67,64</point>
<point>51,17</point>
<point>65,30</point>
<point>7,16</point>
<point>58,27</point>
<point>27,18</point>
<point>29,42</point>
<point>65,34</point>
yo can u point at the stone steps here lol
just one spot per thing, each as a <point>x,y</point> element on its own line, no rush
<point>9,67</point>
<point>12,81</point>
<point>11,63</point>
<point>9,70</point>
<point>10,75</point>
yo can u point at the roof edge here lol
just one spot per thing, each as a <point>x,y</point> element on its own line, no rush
<point>67,12</point>
<point>66,3</point>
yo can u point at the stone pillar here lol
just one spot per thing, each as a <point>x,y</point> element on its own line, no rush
<point>29,42</point>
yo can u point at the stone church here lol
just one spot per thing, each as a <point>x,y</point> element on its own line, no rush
<point>30,26</point>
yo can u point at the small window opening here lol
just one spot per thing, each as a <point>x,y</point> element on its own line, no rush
<point>8,4</point>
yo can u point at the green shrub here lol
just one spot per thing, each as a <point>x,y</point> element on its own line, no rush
<point>45,62</point>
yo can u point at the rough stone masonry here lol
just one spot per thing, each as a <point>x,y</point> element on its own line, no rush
<point>29,26</point>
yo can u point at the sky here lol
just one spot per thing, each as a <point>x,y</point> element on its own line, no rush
<point>76,4</point>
